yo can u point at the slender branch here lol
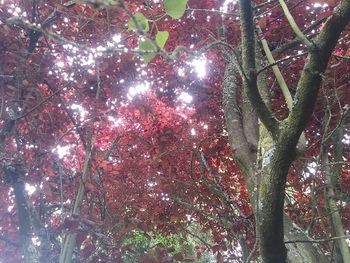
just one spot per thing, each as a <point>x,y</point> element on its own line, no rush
<point>79,131</point>
<point>341,56</point>
<point>332,179</point>
<point>216,188</point>
<point>253,251</point>
<point>212,11</point>
<point>316,240</point>
<point>269,2</point>
<point>295,27</point>
<point>279,77</point>
<point>70,241</point>
<point>343,117</point>
<point>5,76</point>
<point>196,236</point>
<point>112,147</point>
<point>113,49</point>
<point>282,60</point>
<point>57,92</point>
<point>17,21</point>
<point>296,41</point>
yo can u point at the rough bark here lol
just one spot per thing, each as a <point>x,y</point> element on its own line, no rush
<point>301,252</point>
<point>14,175</point>
<point>275,165</point>
<point>237,139</point>
<point>246,159</point>
<point>284,135</point>
<point>312,73</point>
<point>249,68</point>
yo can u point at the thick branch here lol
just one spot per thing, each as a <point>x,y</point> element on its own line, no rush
<point>283,85</point>
<point>312,73</point>
<point>249,114</point>
<point>249,67</point>
<point>237,139</point>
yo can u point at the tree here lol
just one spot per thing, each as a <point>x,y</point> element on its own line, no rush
<point>111,130</point>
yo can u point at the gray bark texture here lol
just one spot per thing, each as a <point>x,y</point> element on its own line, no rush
<point>266,172</point>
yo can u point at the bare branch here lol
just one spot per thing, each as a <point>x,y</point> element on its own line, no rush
<point>233,116</point>
<point>296,41</point>
<point>282,60</point>
<point>295,27</point>
<point>316,240</point>
<point>279,77</point>
<point>312,74</point>
<point>212,11</point>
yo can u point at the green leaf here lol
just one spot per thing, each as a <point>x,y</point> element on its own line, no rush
<point>141,20</point>
<point>146,45</point>
<point>161,38</point>
<point>175,8</point>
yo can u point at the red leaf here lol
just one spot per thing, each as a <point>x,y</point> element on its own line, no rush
<point>81,236</point>
<point>262,22</point>
<point>325,15</point>
<point>219,258</point>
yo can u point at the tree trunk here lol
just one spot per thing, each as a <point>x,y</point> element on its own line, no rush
<point>251,160</point>
<point>269,212</point>
<point>14,175</point>
<point>284,135</point>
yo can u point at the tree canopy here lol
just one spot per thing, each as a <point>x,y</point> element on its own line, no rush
<point>161,130</point>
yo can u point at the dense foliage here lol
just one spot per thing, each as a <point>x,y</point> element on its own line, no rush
<point>114,141</point>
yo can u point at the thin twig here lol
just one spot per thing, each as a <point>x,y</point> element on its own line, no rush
<point>252,252</point>
<point>281,60</point>
<point>316,240</point>
<point>212,11</point>
<point>341,56</point>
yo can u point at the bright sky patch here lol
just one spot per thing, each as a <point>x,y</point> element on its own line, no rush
<point>62,151</point>
<point>200,67</point>
<point>185,97</point>
<point>138,89</point>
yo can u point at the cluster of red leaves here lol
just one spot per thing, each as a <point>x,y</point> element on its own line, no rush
<point>153,178</point>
